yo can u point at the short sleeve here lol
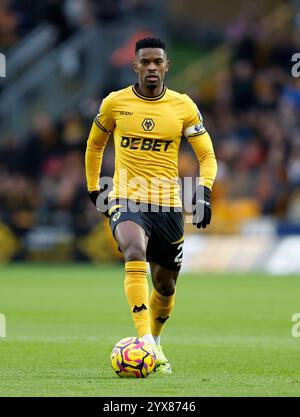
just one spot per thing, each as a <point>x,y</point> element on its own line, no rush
<point>105,118</point>
<point>193,121</point>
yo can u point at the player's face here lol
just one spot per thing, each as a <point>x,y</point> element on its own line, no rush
<point>151,66</point>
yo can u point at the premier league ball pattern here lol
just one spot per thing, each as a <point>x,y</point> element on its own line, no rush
<point>132,357</point>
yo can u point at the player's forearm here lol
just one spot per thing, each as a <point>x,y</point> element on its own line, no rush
<point>93,156</point>
<point>203,148</point>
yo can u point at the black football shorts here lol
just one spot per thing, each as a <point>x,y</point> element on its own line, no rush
<point>163,225</point>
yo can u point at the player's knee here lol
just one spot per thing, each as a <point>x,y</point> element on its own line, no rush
<point>134,252</point>
<point>166,288</point>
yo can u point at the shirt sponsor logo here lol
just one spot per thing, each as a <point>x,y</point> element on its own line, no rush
<point>194,130</point>
<point>198,128</point>
<point>143,144</point>
<point>126,113</point>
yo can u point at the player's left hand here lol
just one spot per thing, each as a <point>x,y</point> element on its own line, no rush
<point>100,201</point>
<point>201,207</point>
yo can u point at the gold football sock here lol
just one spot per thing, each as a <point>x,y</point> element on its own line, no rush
<point>160,310</point>
<point>137,292</point>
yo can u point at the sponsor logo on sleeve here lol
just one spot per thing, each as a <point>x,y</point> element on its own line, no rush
<point>194,130</point>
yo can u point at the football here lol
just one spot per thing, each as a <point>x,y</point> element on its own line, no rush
<point>132,357</point>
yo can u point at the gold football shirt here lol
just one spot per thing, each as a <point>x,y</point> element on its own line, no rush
<point>147,134</point>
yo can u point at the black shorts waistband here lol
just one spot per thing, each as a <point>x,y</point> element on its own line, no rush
<point>139,206</point>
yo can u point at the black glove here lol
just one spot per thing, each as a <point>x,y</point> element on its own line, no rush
<point>100,201</point>
<point>201,207</point>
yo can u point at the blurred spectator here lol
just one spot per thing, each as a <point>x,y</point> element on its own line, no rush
<point>246,25</point>
<point>79,13</point>
<point>42,144</point>
<point>53,13</point>
<point>242,86</point>
<point>8,26</point>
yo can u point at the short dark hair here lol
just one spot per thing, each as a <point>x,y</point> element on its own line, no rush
<point>150,43</point>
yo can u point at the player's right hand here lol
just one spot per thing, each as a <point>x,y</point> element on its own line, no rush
<point>100,201</point>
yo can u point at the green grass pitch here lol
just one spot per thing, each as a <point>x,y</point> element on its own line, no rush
<point>229,335</point>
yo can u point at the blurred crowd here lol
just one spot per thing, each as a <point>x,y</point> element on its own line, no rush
<point>252,112</point>
<point>18,17</point>
<point>42,182</point>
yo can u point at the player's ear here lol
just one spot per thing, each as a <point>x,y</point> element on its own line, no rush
<point>134,66</point>
<point>168,63</point>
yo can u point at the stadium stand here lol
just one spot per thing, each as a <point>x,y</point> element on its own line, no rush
<point>250,107</point>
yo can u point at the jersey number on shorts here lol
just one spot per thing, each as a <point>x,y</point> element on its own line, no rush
<point>178,257</point>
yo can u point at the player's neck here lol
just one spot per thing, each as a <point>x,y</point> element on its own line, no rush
<point>147,92</point>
